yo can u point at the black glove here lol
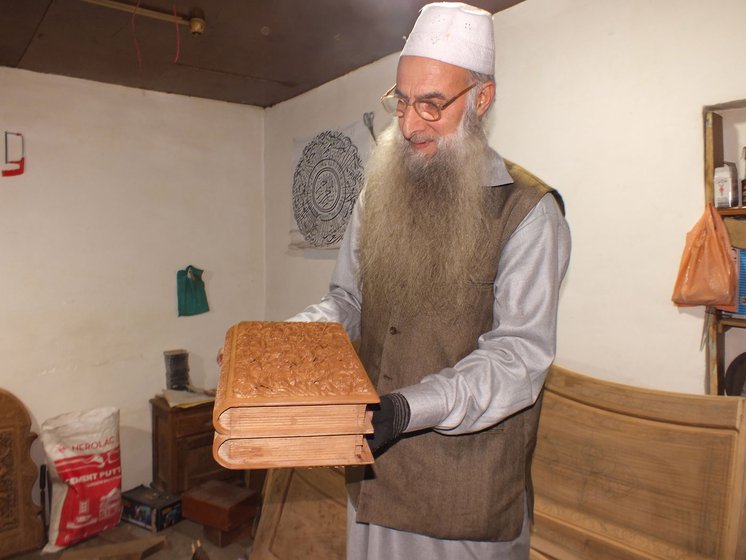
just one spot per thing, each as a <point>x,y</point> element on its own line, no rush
<point>390,419</point>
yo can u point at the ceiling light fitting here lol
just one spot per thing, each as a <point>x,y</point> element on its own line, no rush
<point>195,21</point>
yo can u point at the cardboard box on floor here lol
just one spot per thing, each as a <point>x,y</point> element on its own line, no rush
<point>151,509</point>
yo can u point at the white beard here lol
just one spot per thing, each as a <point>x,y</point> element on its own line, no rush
<point>423,218</point>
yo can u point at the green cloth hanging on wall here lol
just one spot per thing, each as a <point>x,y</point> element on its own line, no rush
<point>190,290</point>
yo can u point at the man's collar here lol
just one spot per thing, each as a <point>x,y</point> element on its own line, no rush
<point>497,175</point>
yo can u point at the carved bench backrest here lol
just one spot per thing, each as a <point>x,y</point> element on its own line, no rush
<point>623,472</point>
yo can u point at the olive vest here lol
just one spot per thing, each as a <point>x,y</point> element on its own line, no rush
<point>451,487</point>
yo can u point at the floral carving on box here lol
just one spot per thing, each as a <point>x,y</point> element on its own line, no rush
<point>21,527</point>
<point>273,362</point>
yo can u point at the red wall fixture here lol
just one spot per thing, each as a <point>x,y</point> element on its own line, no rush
<point>15,138</point>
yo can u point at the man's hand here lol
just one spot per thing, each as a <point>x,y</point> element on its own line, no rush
<point>390,419</point>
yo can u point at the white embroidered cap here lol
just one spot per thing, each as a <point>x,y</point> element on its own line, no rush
<point>455,33</point>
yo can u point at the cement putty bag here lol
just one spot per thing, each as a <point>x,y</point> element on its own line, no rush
<point>83,461</point>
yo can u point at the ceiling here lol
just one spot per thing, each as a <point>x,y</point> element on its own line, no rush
<point>254,52</point>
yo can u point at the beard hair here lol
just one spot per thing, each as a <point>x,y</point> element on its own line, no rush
<point>423,219</point>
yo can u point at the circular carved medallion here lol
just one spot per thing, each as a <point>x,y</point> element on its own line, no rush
<point>327,181</point>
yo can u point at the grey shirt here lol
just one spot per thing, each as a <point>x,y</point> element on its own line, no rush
<point>506,372</point>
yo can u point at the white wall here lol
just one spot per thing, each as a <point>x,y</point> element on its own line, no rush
<point>122,188</point>
<point>603,100</point>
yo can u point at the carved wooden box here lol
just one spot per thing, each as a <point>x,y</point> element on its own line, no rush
<point>291,395</point>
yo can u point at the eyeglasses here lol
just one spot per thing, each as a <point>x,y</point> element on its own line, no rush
<point>427,110</point>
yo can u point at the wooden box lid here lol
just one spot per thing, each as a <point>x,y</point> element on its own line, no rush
<point>291,365</point>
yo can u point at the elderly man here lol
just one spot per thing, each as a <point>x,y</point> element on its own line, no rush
<point>449,274</point>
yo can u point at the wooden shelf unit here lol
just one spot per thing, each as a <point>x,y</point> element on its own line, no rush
<point>718,325</point>
<point>737,212</point>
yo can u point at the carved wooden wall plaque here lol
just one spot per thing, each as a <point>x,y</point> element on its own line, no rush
<point>291,395</point>
<point>21,527</point>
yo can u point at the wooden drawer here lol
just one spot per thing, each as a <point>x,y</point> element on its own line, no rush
<point>196,462</point>
<point>193,422</point>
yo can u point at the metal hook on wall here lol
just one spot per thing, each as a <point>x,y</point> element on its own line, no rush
<point>368,121</point>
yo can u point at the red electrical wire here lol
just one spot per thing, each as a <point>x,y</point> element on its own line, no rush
<point>134,37</point>
<point>178,35</point>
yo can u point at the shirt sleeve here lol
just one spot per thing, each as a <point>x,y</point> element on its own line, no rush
<point>506,372</point>
<point>342,302</point>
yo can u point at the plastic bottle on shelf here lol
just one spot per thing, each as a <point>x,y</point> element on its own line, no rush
<point>725,184</point>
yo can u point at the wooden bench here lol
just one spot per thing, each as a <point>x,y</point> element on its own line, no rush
<point>623,472</point>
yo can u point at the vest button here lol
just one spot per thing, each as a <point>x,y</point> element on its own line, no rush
<point>393,330</point>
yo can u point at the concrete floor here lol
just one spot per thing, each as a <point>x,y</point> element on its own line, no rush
<point>179,540</point>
